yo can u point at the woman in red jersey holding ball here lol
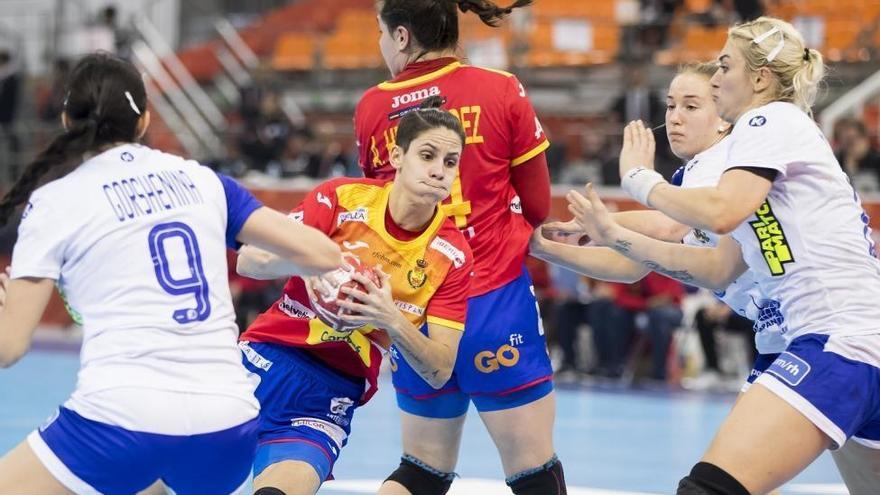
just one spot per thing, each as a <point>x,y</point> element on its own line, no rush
<point>501,192</point>
<point>316,369</point>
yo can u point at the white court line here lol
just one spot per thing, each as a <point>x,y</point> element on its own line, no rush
<point>462,487</point>
<point>817,489</point>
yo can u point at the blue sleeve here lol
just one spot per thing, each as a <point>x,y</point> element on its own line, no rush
<point>240,203</point>
<point>677,177</point>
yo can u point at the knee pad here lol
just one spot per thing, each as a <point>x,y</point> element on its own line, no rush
<point>419,478</point>
<point>709,479</point>
<point>269,491</point>
<point>548,479</point>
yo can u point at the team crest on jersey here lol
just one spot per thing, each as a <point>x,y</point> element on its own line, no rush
<point>417,276</point>
<point>445,248</point>
<point>358,215</point>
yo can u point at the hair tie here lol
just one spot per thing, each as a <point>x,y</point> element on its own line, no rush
<point>806,54</point>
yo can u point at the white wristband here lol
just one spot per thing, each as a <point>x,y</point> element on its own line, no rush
<point>638,182</point>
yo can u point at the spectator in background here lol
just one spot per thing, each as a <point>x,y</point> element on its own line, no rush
<point>50,98</point>
<point>610,339</point>
<point>859,159</point>
<point>570,308</point>
<point>657,298</point>
<point>709,320</point>
<point>592,163</point>
<point>746,10</point>
<point>265,135</point>
<point>10,94</point>
<point>122,38</point>
<point>663,300</point>
<point>641,102</point>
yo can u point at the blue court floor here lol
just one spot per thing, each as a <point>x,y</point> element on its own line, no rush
<point>611,442</point>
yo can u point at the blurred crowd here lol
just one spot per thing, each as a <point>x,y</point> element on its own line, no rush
<point>617,333</point>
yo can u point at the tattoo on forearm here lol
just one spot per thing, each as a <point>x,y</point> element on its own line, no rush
<point>682,275</point>
<point>622,246</point>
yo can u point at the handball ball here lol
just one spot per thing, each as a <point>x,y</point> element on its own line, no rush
<point>327,305</point>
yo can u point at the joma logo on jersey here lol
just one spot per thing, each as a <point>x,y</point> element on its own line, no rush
<point>359,215</point>
<point>412,97</point>
<point>506,356</point>
<point>774,245</point>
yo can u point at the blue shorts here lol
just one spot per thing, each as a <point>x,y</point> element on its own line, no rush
<point>306,407</point>
<point>762,362</point>
<point>92,457</point>
<point>834,381</point>
<point>502,359</point>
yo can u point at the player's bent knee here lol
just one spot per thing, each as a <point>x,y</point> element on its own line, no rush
<point>709,479</point>
<point>421,479</point>
<point>548,479</point>
<point>268,490</point>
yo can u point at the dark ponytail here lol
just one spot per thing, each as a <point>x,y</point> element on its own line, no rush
<point>428,116</point>
<point>488,12</point>
<point>105,100</point>
<point>433,24</point>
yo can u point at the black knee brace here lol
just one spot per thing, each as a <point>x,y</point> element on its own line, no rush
<point>269,491</point>
<point>709,479</point>
<point>419,478</point>
<point>548,479</point>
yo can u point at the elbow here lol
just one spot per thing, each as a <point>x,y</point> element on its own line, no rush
<point>326,260</point>
<point>723,222</point>
<point>253,265</point>
<point>536,214</point>
<point>439,378</point>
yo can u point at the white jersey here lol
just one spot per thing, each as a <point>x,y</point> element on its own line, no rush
<point>744,294</point>
<point>136,240</point>
<point>809,244</point>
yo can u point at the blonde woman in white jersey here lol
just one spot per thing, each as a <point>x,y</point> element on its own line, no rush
<point>135,240</point>
<point>697,135</point>
<point>795,221</point>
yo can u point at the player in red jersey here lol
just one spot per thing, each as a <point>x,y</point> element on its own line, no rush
<point>313,376</point>
<point>502,191</point>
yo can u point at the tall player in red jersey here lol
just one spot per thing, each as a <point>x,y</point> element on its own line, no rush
<point>501,192</point>
<point>313,376</point>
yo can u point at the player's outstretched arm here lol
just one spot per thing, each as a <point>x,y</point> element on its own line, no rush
<point>277,247</point>
<point>712,268</point>
<point>592,261</point>
<point>432,356</point>
<point>652,223</point>
<point>719,209</point>
<point>22,302</point>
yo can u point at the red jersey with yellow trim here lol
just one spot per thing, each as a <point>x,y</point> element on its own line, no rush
<point>430,274</point>
<point>502,131</point>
